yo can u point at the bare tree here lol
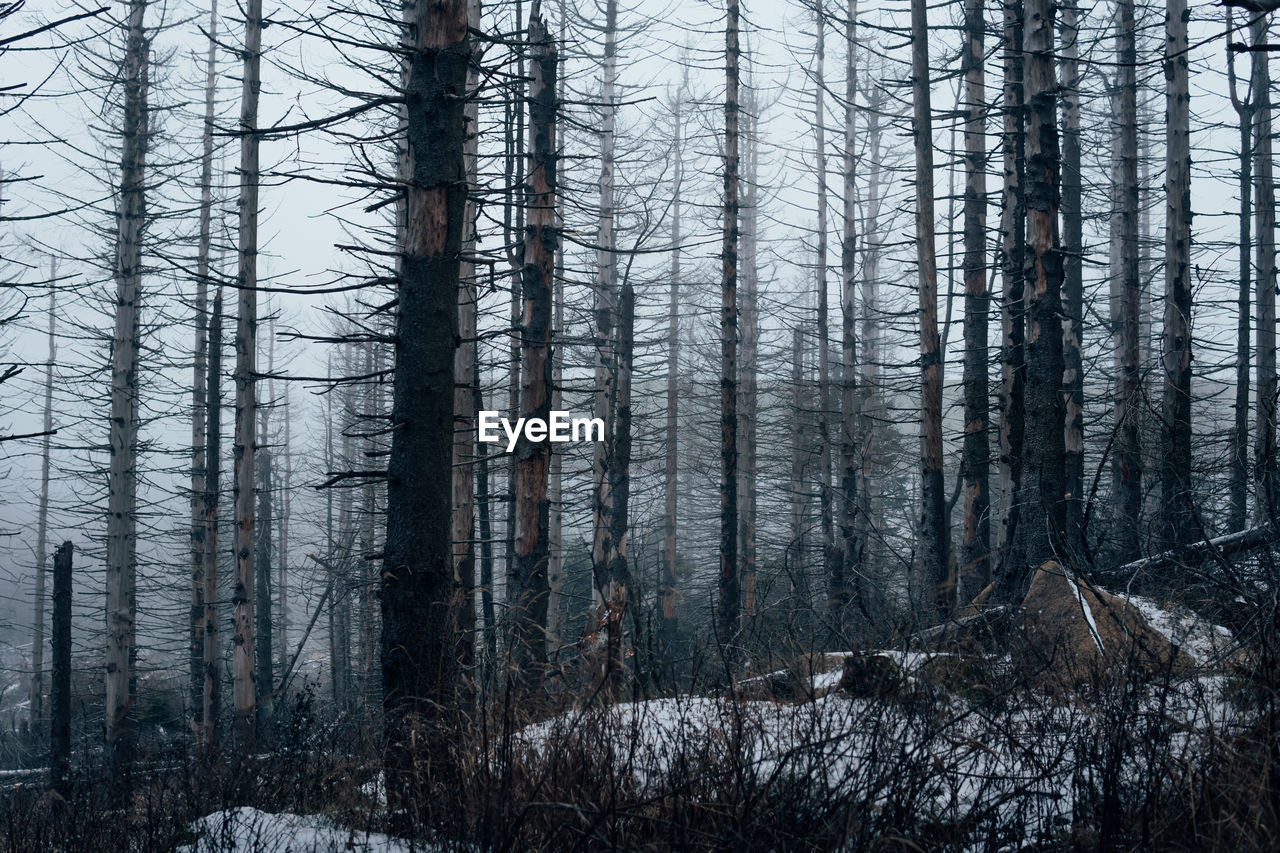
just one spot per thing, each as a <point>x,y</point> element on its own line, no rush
<point>1239,478</point>
<point>1266,465</point>
<point>42,513</point>
<point>122,478</point>
<point>528,609</point>
<point>933,557</point>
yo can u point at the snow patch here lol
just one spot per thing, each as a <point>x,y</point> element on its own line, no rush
<point>248,830</point>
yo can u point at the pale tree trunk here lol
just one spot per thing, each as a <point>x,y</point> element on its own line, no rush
<point>263,677</point>
<point>975,547</point>
<point>366,573</point>
<point>748,368</point>
<point>1238,488</point>
<point>801,595</point>
<point>830,567</point>
<point>616,593</point>
<point>527,613</point>
<point>728,618</point>
<point>242,600</point>
<point>606,371</point>
<point>200,392</point>
<point>933,561</point>
<point>419,673</point>
<point>1178,524</point>
<point>122,477</point>
<point>666,634</point>
<point>1013,370</point>
<point>285,479</point>
<point>1126,298</point>
<point>868,398</point>
<point>848,556</point>
<point>1043,486</point>
<point>42,515</point>
<point>1072,283</point>
<point>1266,467</point>
<point>464,416</point>
<point>211,652</point>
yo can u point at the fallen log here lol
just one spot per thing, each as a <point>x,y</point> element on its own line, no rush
<point>1220,547</point>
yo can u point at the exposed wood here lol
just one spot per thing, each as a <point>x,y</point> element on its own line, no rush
<point>419,670</point>
<point>527,611</point>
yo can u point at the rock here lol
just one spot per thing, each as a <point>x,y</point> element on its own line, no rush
<point>1074,633</point>
<point>871,676</point>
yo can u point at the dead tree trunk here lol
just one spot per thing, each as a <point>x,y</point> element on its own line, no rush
<point>849,549</point>
<point>606,368</point>
<point>933,559</point>
<point>1238,488</point>
<point>730,606</point>
<point>1266,465</point>
<point>1043,487</point>
<point>285,481</point>
<point>666,633</point>
<point>555,526</point>
<point>60,688</point>
<point>200,390</point>
<point>1126,298</point>
<point>264,680</point>
<point>122,479</point>
<point>870,412</point>
<point>1177,513</point>
<point>797,568</point>
<point>831,569</point>
<point>419,673</point>
<point>464,416</point>
<point>211,652</point>
<point>527,613</point>
<point>1013,237</point>
<point>1072,282</point>
<point>42,517</point>
<point>975,549</point>
<point>246,385</point>
<point>619,583</point>
<point>485,525</point>
<point>748,367</point>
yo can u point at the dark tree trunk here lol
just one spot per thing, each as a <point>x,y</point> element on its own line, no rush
<point>60,686</point>
<point>529,590</point>
<point>1043,487</point>
<point>933,558</point>
<point>1072,283</point>
<point>1266,465</point>
<point>975,549</point>
<point>1126,299</point>
<point>729,615</point>
<point>1178,525</point>
<point>1238,488</point>
<point>419,670</point>
<point>264,678</point>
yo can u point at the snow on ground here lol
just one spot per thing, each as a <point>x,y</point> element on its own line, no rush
<point>248,830</point>
<point>1195,636</point>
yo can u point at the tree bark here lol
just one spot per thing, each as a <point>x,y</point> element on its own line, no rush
<point>528,600</point>
<point>728,619</point>
<point>263,677</point>
<point>419,670</point>
<point>748,365</point>
<point>200,390</point>
<point>1013,236</point>
<point>666,633</point>
<point>42,516</point>
<point>975,549</point>
<point>832,571</point>
<point>1072,283</point>
<point>1177,513</point>
<point>122,501</point>
<point>1266,466</point>
<point>1126,298</point>
<point>60,688</point>
<point>933,558</point>
<point>246,386</point>
<point>1043,488</point>
<point>1238,488</point>
<point>211,653</point>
